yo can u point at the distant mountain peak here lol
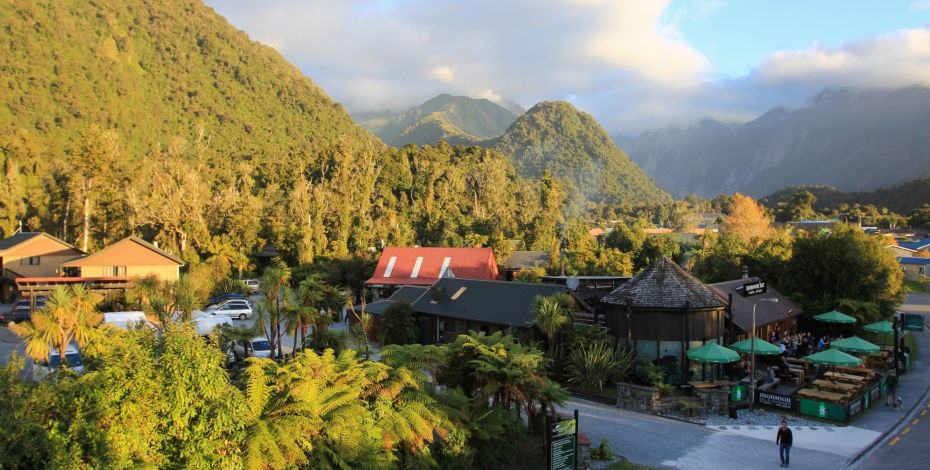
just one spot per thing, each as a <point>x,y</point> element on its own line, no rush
<point>445,117</point>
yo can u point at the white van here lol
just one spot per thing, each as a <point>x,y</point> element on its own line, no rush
<point>259,346</point>
<point>125,320</point>
<point>205,323</point>
<point>73,359</point>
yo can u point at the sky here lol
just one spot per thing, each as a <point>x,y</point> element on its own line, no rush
<point>635,65</point>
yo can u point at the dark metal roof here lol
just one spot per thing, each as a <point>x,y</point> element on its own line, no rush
<point>766,312</point>
<point>527,260</point>
<point>496,302</point>
<point>407,293</point>
<point>664,285</point>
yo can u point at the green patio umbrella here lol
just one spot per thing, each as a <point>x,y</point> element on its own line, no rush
<point>883,327</point>
<point>763,347</point>
<point>833,357</point>
<point>713,353</point>
<point>854,344</point>
<point>834,317</point>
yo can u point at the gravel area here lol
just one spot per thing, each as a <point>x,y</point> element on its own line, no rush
<point>760,417</point>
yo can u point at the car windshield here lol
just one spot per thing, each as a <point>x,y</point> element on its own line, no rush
<point>261,345</point>
<point>74,360</point>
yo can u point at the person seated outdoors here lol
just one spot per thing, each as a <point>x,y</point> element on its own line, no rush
<point>821,343</point>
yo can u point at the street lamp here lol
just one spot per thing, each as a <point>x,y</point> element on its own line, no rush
<point>752,352</point>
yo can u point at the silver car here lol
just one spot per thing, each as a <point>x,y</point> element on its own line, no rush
<point>236,308</point>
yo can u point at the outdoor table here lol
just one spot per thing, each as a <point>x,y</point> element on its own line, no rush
<point>796,362</point>
<point>798,372</point>
<point>845,377</point>
<point>705,385</point>
<point>821,395</point>
<point>862,371</point>
<point>836,385</point>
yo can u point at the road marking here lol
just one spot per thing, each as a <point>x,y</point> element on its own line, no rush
<point>916,420</point>
<point>905,431</point>
<point>923,413</point>
<point>894,441</point>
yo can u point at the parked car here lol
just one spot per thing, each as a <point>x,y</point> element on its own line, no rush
<point>205,323</point>
<point>21,310</point>
<point>236,308</point>
<point>73,359</point>
<point>125,320</point>
<point>253,284</point>
<point>258,347</point>
<point>224,297</point>
<point>224,302</point>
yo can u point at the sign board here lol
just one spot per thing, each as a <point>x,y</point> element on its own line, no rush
<point>738,393</point>
<point>778,401</point>
<point>823,410</point>
<point>913,322</point>
<point>855,407</point>
<point>755,288</point>
<point>562,445</point>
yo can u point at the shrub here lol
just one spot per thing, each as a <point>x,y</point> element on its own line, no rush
<point>598,364</point>
<point>602,452</point>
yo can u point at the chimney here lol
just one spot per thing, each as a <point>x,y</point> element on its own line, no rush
<point>745,270</point>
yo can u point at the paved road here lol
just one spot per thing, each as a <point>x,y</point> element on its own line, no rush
<point>906,447</point>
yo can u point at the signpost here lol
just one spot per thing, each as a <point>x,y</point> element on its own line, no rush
<point>755,288</point>
<point>563,444</point>
<point>913,322</point>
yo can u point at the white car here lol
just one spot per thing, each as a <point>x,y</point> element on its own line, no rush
<point>205,323</point>
<point>254,285</point>
<point>236,308</point>
<point>125,320</point>
<point>258,347</point>
<point>73,358</point>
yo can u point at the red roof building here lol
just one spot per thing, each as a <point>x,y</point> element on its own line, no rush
<point>423,266</point>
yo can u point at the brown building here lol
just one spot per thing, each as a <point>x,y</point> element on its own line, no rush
<point>31,255</point>
<point>662,312</point>
<point>129,257</point>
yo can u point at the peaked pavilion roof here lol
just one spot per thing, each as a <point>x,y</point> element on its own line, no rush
<point>665,285</point>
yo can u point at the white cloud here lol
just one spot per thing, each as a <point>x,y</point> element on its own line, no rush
<point>920,5</point>
<point>623,61</point>
<point>887,61</point>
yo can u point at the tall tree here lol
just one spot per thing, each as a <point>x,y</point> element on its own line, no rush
<point>97,156</point>
<point>69,314</point>
<point>747,220</point>
<point>551,314</point>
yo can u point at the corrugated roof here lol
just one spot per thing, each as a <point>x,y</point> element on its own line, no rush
<point>664,285</point>
<point>22,237</point>
<point>766,312</point>
<point>527,260</point>
<point>423,266</point>
<point>496,302</point>
<point>406,293</point>
<point>914,260</point>
<point>916,245</point>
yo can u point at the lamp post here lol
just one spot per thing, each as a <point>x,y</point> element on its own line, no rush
<point>752,352</point>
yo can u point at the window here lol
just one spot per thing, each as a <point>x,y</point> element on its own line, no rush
<point>30,261</point>
<point>115,270</point>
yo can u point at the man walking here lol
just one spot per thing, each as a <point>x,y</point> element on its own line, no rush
<point>784,440</point>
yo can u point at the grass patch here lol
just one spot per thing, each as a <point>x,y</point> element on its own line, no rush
<point>627,465</point>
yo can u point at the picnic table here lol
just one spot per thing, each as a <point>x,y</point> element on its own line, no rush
<point>705,385</point>
<point>796,362</point>
<point>836,385</point>
<point>798,372</point>
<point>846,377</point>
<point>822,395</point>
<point>863,371</point>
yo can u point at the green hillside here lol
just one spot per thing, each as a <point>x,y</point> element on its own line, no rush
<point>571,144</point>
<point>454,119</point>
<point>150,70</point>
<point>902,198</point>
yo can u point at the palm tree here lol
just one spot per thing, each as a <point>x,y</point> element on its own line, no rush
<point>552,314</point>
<point>69,314</point>
<point>184,298</point>
<point>274,280</point>
<point>361,330</point>
<point>239,334</point>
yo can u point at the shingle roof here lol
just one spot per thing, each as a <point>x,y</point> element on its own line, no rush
<point>766,312</point>
<point>497,302</point>
<point>664,285</point>
<point>527,260</point>
<point>422,265</point>
<point>914,260</point>
<point>22,237</point>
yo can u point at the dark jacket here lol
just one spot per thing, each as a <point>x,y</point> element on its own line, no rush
<point>784,437</point>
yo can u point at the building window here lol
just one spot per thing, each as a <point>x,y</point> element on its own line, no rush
<point>116,271</point>
<point>29,261</point>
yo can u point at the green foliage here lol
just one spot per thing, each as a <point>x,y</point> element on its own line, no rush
<point>602,453</point>
<point>599,364</point>
<point>398,325</point>
<point>846,263</point>
<point>552,314</point>
<point>454,119</point>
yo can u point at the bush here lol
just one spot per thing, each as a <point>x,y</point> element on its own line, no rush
<point>598,364</point>
<point>398,326</point>
<point>602,452</point>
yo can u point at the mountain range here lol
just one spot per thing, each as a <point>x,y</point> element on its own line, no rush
<point>901,198</point>
<point>854,140</point>
<point>453,119</point>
